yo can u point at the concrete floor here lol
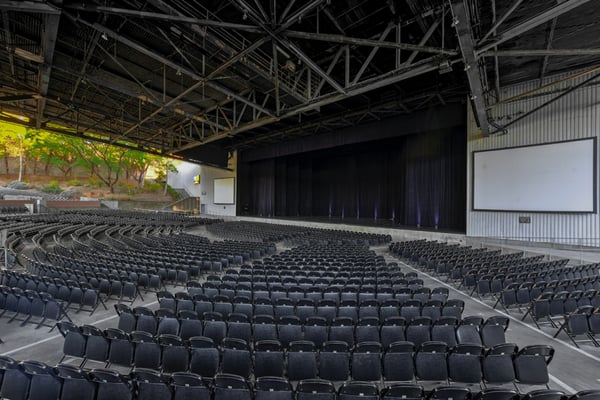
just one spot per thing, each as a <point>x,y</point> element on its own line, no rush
<point>571,370</point>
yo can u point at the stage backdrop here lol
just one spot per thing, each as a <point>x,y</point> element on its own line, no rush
<point>417,180</point>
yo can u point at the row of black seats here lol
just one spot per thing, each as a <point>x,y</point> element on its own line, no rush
<point>335,360</point>
<point>31,307</point>
<point>29,380</point>
<point>306,308</point>
<point>584,321</point>
<point>288,328</point>
<point>409,290</point>
<point>470,275</point>
<point>542,301</point>
<point>270,267</point>
<point>82,292</point>
<point>485,283</point>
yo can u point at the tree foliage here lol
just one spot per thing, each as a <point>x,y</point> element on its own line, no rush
<point>109,164</point>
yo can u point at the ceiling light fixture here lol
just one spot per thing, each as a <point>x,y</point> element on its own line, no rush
<point>104,36</point>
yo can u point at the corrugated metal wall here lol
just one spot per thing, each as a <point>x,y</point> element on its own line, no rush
<point>576,115</point>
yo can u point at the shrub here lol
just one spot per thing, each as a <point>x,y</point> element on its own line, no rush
<point>52,188</point>
<point>153,186</point>
<point>94,182</point>
<point>173,193</point>
<point>74,182</point>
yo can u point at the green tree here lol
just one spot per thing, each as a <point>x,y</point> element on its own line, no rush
<point>58,151</point>
<point>14,142</point>
<point>163,167</point>
<point>136,165</point>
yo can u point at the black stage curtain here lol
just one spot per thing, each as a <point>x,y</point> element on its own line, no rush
<point>416,180</point>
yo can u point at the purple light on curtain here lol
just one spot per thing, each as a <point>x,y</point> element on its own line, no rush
<point>375,213</point>
<point>343,212</point>
<point>393,214</point>
<point>418,214</point>
<point>330,209</point>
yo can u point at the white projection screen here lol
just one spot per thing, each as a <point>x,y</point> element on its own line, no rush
<point>224,191</point>
<point>553,177</point>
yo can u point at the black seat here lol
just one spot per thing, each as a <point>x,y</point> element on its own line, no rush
<point>531,364</point>
<point>174,353</point>
<point>290,329</point>
<point>392,330</point>
<point>430,362</point>
<point>497,394</point>
<point>96,347</point>
<point>147,351</point>
<point>301,361</point>
<point>43,382</point>
<point>268,358</point>
<point>74,341</point>
<point>272,388</point>
<point>544,394</point>
<point>497,364</point>
<point>231,387</point>
<point>450,393</point>
<point>464,363</point>
<point>111,385</point>
<point>15,383</point>
<point>315,330</point>
<point>236,357</point>
<point>593,394</point>
<point>315,389</point>
<point>366,361</point>
<point>204,357</point>
<point>358,391</point>
<point>493,331</point>
<point>121,348</point>
<point>334,361</point>
<point>150,384</point>
<point>189,386</point>
<point>398,362</point>
<point>402,391</point>
<point>76,384</point>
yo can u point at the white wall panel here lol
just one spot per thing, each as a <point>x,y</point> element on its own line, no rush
<point>184,179</point>
<point>574,116</point>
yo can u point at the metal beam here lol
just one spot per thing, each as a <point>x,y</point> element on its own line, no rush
<point>165,60</point>
<point>541,53</point>
<point>372,54</point>
<point>288,44</point>
<point>127,88</point>
<point>466,42</point>
<point>426,38</point>
<point>9,40</point>
<point>549,40</point>
<point>531,23</point>
<point>325,37</point>
<point>29,6</point>
<point>49,34</point>
<point>552,100</point>
<point>365,86</point>
<point>299,128</point>
<point>500,20</point>
<point>249,62</point>
<point>163,17</point>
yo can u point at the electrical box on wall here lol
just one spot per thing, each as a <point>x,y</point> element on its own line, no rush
<point>524,220</point>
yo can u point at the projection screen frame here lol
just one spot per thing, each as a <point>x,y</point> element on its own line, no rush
<point>233,190</point>
<point>594,140</point>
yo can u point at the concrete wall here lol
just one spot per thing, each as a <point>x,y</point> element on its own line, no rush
<point>574,116</point>
<point>184,179</point>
